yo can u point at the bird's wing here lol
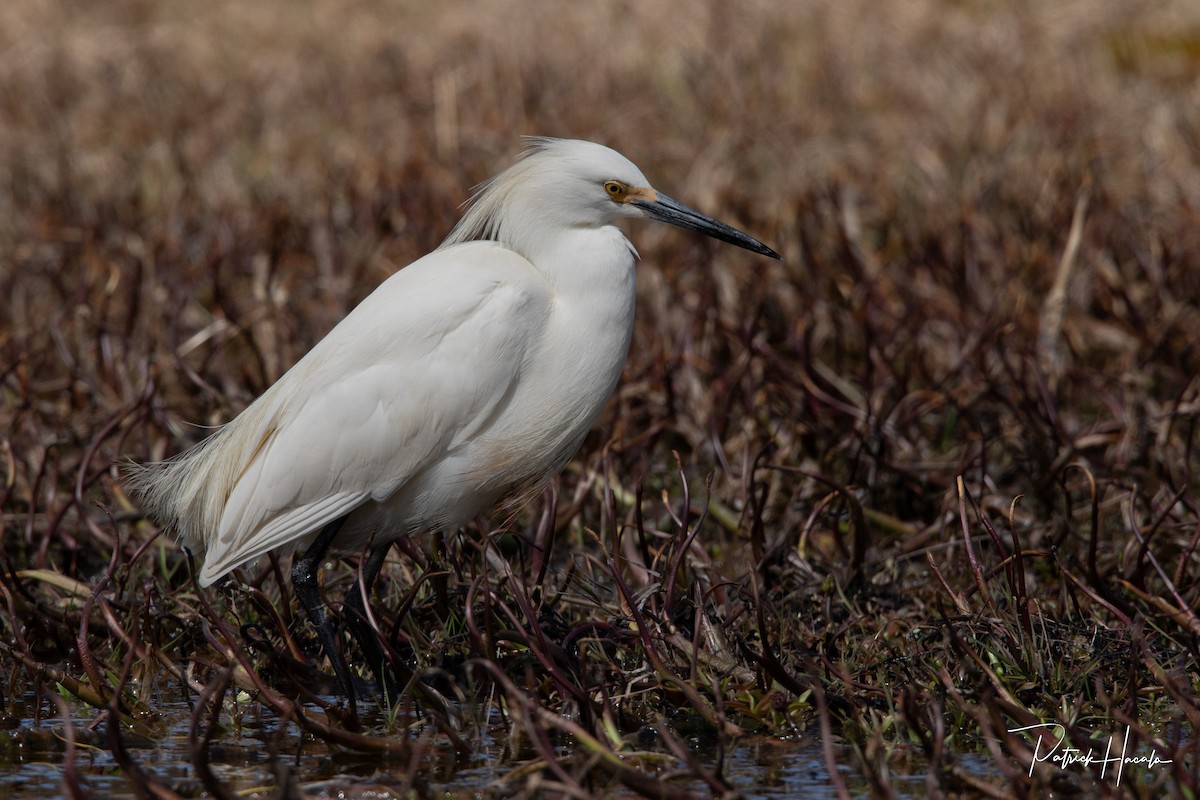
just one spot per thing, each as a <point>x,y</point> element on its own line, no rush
<point>418,367</point>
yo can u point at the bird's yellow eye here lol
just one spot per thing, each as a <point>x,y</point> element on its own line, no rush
<point>615,189</point>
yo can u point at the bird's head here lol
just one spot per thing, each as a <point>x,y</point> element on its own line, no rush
<point>572,183</point>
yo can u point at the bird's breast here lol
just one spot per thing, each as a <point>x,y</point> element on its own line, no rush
<point>568,377</point>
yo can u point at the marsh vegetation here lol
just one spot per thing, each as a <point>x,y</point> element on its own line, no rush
<point>929,479</point>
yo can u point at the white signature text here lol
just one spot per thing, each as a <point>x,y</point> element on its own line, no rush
<point>1059,751</point>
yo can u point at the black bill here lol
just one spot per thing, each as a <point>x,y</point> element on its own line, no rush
<point>664,209</point>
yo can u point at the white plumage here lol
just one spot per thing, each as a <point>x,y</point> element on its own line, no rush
<point>475,370</point>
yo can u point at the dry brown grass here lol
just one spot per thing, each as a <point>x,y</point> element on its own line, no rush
<point>989,220</point>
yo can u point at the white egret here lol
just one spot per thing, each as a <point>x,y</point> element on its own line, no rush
<point>473,372</point>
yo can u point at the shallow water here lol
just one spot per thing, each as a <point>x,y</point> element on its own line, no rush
<point>253,759</point>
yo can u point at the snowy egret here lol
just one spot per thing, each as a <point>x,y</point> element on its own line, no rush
<point>473,372</point>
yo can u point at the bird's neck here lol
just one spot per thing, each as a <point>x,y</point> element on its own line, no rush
<point>594,264</point>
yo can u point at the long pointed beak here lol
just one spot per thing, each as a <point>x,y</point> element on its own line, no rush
<point>664,209</point>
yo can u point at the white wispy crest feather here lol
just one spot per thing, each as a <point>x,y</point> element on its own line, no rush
<point>485,218</point>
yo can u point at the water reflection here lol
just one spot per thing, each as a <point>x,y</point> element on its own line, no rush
<point>254,757</point>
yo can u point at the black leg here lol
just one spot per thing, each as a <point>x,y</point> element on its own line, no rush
<point>392,678</point>
<point>304,580</point>
<point>355,610</point>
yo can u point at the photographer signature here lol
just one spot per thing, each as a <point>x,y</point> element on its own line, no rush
<point>1063,754</point>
